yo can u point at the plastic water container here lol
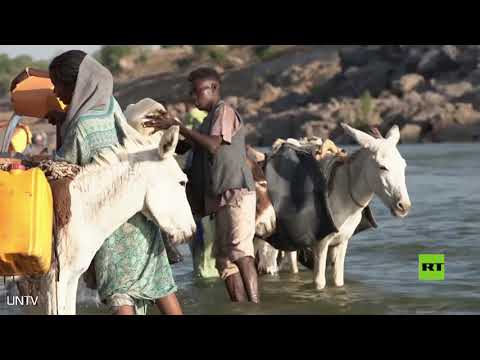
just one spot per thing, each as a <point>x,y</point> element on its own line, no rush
<point>26,222</point>
<point>34,97</point>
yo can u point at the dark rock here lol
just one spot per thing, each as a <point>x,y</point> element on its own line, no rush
<point>374,77</point>
<point>394,53</point>
<point>412,59</point>
<point>284,125</point>
<point>437,61</point>
<point>252,136</point>
<point>359,56</point>
<point>350,72</point>
<point>289,101</point>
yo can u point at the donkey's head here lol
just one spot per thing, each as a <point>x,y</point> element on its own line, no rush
<point>166,197</point>
<point>384,168</point>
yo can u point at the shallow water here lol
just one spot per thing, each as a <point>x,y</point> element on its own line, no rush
<point>381,265</point>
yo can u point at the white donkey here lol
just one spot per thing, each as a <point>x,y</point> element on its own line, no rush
<point>122,181</point>
<point>376,169</point>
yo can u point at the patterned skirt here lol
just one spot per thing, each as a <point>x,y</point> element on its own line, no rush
<point>132,266</point>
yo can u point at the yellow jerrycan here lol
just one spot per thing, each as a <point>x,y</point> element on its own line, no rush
<point>26,222</point>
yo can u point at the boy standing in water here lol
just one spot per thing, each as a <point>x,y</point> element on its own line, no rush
<point>221,183</point>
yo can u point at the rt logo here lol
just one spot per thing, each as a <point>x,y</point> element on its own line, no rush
<point>431,267</point>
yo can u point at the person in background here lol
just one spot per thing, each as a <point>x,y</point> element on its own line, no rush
<point>221,184</point>
<point>201,247</point>
<point>39,143</point>
<point>194,116</point>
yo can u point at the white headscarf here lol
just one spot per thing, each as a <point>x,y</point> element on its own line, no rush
<point>93,89</point>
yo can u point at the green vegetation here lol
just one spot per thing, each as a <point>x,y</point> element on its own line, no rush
<point>216,53</point>
<point>143,56</point>
<point>317,88</point>
<point>184,62</point>
<point>11,67</point>
<point>268,52</point>
<point>110,56</point>
<point>365,114</point>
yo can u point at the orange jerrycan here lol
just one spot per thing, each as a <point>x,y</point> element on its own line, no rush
<point>26,222</point>
<point>34,97</point>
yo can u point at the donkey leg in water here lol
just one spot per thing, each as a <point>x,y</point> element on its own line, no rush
<point>68,286</point>
<point>48,291</point>
<point>292,257</point>
<point>339,263</point>
<point>66,289</point>
<point>61,289</point>
<point>321,251</point>
<point>72,288</point>
<point>267,257</point>
<point>75,256</point>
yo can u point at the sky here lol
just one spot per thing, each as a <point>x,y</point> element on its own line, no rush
<point>43,52</point>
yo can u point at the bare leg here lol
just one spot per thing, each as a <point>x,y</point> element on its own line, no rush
<point>125,310</point>
<point>169,305</point>
<point>248,271</point>
<point>236,288</point>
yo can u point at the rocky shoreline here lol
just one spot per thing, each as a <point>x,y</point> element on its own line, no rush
<point>432,92</point>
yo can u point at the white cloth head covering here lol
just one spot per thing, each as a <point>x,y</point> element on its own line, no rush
<point>93,89</point>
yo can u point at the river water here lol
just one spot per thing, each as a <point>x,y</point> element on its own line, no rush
<point>381,268</point>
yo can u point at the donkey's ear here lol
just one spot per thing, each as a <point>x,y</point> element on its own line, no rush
<point>360,137</point>
<point>169,141</point>
<point>394,135</point>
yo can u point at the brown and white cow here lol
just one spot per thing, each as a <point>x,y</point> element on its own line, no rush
<point>265,218</point>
